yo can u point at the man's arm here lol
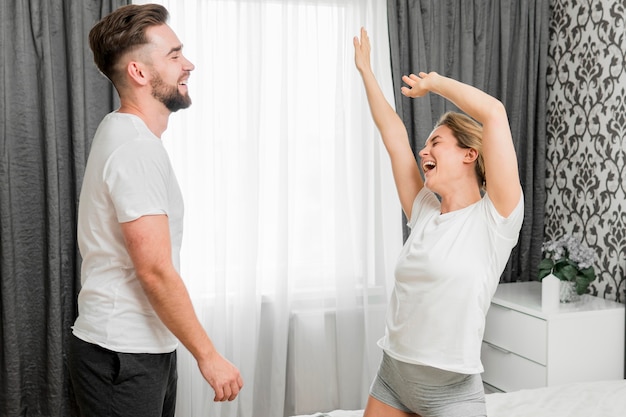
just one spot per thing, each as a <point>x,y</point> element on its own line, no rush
<point>148,244</point>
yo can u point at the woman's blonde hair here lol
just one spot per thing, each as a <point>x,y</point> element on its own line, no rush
<point>469,134</point>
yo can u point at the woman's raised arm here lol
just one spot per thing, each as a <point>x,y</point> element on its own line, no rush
<point>501,171</point>
<point>395,137</point>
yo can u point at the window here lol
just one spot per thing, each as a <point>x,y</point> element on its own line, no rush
<point>281,168</point>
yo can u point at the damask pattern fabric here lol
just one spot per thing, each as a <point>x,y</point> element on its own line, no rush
<point>586,138</point>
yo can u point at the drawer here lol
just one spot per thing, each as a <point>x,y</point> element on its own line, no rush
<point>507,371</point>
<point>517,332</point>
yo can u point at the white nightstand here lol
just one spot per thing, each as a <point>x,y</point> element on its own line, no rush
<point>524,347</point>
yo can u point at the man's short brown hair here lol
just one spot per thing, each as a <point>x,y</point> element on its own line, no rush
<point>120,32</point>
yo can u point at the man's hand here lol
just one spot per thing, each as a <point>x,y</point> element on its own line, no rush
<point>223,377</point>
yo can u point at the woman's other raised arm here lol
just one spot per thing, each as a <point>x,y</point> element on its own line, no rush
<point>501,171</point>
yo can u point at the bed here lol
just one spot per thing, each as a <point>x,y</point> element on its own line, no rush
<point>584,399</point>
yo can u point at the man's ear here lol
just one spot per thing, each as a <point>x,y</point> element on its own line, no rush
<point>138,72</point>
<point>471,155</point>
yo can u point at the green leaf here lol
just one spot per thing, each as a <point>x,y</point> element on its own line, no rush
<point>569,272</point>
<point>543,273</point>
<point>559,275</point>
<point>588,273</point>
<point>581,285</point>
<point>546,264</point>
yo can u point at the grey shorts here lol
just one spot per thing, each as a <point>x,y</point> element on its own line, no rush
<point>427,391</point>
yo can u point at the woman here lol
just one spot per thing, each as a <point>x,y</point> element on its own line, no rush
<point>460,241</point>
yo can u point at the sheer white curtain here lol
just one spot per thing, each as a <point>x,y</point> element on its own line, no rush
<point>292,223</point>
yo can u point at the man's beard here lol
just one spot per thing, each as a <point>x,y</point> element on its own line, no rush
<point>169,95</point>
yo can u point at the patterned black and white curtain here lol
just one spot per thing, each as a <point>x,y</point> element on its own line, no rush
<point>586,139</point>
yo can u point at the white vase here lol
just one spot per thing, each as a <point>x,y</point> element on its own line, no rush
<point>550,293</point>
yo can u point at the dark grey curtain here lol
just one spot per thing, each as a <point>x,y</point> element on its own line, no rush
<point>499,46</point>
<point>52,101</point>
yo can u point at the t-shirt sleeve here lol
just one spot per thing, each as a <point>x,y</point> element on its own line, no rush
<point>507,227</point>
<point>425,201</point>
<point>137,177</point>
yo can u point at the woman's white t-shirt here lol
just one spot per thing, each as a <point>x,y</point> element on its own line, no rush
<point>446,275</point>
<point>128,175</point>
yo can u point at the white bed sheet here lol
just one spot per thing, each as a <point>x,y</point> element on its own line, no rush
<point>589,399</point>
<point>585,399</point>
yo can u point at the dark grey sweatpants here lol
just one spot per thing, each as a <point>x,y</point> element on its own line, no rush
<point>113,384</point>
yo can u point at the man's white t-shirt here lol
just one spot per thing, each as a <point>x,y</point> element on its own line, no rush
<point>128,175</point>
<point>446,275</point>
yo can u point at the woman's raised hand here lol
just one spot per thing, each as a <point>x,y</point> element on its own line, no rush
<point>418,85</point>
<point>362,50</point>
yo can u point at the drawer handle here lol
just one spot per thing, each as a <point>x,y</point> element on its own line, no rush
<point>498,348</point>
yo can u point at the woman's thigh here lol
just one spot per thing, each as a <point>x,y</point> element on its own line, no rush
<point>377,408</point>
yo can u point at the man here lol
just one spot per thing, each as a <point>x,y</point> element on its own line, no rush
<point>133,306</point>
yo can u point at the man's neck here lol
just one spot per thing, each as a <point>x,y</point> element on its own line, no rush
<point>154,115</point>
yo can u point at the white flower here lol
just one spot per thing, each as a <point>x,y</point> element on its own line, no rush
<point>571,248</point>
